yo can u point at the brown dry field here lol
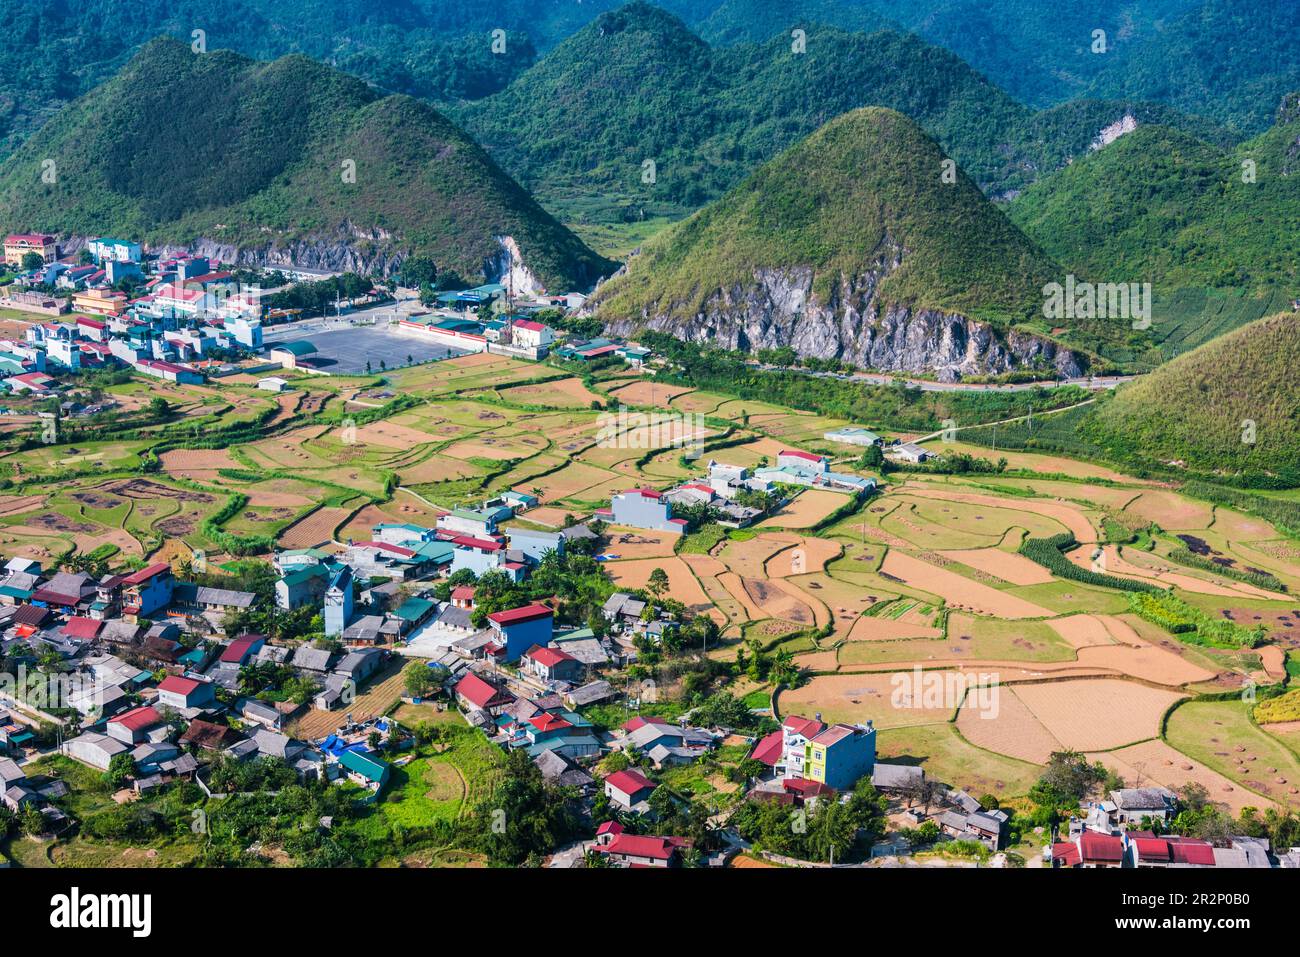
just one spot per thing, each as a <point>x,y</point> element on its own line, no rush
<point>315,529</point>
<point>960,592</point>
<point>1082,631</point>
<point>545,515</point>
<point>572,479</point>
<point>1012,730</point>
<point>188,462</point>
<point>1008,566</point>
<point>808,556</point>
<point>561,393</point>
<point>436,468</point>
<point>775,601</point>
<point>17,504</point>
<point>647,392</point>
<point>499,448</point>
<point>808,508</point>
<point>1171,511</point>
<point>749,558</point>
<point>389,435</point>
<point>682,585</point>
<point>1116,562</point>
<point>1156,761</point>
<point>1072,711</point>
<point>855,698</point>
<point>735,587</point>
<point>634,543</point>
<point>1147,663</point>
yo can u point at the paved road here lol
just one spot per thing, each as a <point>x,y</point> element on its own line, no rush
<point>927,385</point>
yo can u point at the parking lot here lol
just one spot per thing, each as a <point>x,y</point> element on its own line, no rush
<point>347,350</point>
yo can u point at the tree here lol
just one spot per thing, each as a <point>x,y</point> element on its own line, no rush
<point>420,680</point>
<point>120,769</point>
<point>658,582</point>
<point>32,261</point>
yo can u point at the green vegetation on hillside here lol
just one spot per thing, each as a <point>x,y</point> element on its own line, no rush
<point>1232,405</point>
<point>181,146</point>
<point>862,195</point>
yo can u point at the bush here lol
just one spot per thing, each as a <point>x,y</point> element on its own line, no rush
<point>1048,552</point>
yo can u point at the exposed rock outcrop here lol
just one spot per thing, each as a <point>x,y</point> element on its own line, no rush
<point>780,309</point>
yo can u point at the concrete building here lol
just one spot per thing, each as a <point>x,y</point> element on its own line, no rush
<point>645,508</point>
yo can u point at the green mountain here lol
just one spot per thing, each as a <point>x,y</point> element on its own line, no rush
<point>1161,206</point>
<point>851,244</point>
<point>1233,404</point>
<point>255,158</point>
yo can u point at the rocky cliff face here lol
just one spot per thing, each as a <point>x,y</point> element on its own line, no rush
<point>780,309</point>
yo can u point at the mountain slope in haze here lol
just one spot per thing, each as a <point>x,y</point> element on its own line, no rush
<point>1232,404</point>
<point>1164,207</point>
<point>848,245</point>
<point>249,159</point>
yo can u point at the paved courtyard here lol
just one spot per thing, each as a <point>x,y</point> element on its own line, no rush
<point>347,350</point>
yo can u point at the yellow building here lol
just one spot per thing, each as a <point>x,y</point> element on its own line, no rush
<point>99,302</point>
<point>18,245</point>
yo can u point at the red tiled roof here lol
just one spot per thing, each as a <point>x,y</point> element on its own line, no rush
<point>800,454</point>
<point>41,238</point>
<point>549,657</point>
<point>462,592</point>
<point>641,722</point>
<point>1067,853</point>
<point>549,722</point>
<point>478,692</point>
<point>238,649</point>
<point>528,324</point>
<point>1191,852</point>
<point>644,492</point>
<point>768,749</point>
<point>144,574</point>
<point>643,845</point>
<point>1100,847</point>
<point>609,827</point>
<point>384,546</point>
<point>808,727</point>
<point>137,719</point>
<point>482,544</point>
<point>630,781</point>
<point>82,628</point>
<point>515,616</point>
<point>177,685</point>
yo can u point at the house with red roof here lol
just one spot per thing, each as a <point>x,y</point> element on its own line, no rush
<point>643,850</point>
<point>477,694</point>
<point>1089,849</point>
<point>84,629</point>
<point>18,245</point>
<point>550,664</point>
<point>241,649</point>
<point>795,458</point>
<point>1147,850</point>
<point>147,591</point>
<point>462,596</point>
<point>629,790</point>
<point>186,694</point>
<point>132,727</point>
<point>518,629</point>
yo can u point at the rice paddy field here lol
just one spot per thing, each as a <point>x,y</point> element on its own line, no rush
<point>922,589</point>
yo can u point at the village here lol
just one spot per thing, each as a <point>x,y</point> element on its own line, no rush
<point>502,551</point>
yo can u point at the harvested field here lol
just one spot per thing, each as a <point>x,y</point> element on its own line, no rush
<point>856,698</point>
<point>1009,728</point>
<point>649,392</point>
<point>389,435</point>
<point>775,602</point>
<point>1073,710</point>
<point>1220,735</point>
<point>560,393</point>
<point>884,629</point>
<point>196,463</point>
<point>749,558</point>
<point>959,592</point>
<point>1147,663</point>
<point>1082,631</point>
<point>1157,761</point>
<point>384,691</point>
<point>1067,514</point>
<point>808,556</point>
<point>808,508</point>
<point>316,529</point>
<point>629,543</point>
<point>682,585</point>
<point>1170,510</point>
<point>1008,566</point>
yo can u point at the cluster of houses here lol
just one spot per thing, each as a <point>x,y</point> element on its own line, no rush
<point>1125,831</point>
<point>720,488</point>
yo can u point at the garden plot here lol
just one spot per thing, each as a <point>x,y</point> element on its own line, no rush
<point>1097,714</point>
<point>959,592</point>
